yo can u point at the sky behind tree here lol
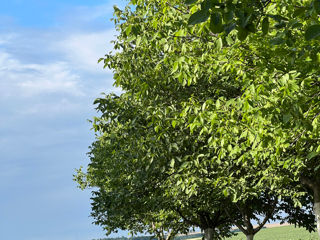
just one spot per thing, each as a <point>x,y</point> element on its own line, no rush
<point>49,78</point>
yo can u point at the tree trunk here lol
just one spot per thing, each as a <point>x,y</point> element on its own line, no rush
<point>314,185</point>
<point>171,235</point>
<point>208,234</point>
<point>316,206</point>
<point>250,237</point>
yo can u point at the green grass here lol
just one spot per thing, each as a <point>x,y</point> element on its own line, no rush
<point>279,233</point>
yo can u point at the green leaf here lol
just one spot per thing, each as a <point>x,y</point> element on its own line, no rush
<point>312,155</point>
<point>175,67</point>
<point>245,20</point>
<point>198,17</point>
<point>228,16</point>
<point>138,41</point>
<point>206,5</point>
<point>278,18</point>
<point>280,24</point>
<point>172,163</point>
<point>286,118</point>
<point>251,28</point>
<point>128,30</point>
<point>229,27</point>
<point>316,5</point>
<point>225,192</point>
<point>242,34</point>
<point>277,41</point>
<point>180,33</point>
<point>219,44</point>
<point>216,23</point>
<point>188,2</point>
<point>216,18</point>
<point>265,25</point>
<point>312,32</point>
<point>299,11</point>
<point>174,123</point>
<point>184,166</point>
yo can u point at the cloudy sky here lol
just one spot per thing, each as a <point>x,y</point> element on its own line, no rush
<point>49,78</point>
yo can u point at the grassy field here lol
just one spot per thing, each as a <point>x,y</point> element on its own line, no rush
<point>279,233</point>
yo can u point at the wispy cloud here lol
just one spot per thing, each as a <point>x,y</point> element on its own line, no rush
<point>59,59</point>
<point>18,79</point>
<point>84,49</point>
<point>75,56</point>
<point>49,78</point>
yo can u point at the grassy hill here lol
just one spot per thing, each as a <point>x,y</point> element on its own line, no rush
<point>278,233</point>
<point>281,233</point>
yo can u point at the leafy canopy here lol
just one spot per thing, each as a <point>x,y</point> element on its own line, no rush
<point>221,101</point>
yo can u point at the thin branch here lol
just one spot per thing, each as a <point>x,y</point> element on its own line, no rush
<point>267,217</point>
<point>178,9</point>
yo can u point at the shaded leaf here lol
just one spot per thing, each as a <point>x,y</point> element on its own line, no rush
<point>251,28</point>
<point>229,27</point>
<point>312,32</point>
<point>278,18</point>
<point>277,41</point>
<point>228,16</point>
<point>316,5</point>
<point>265,25</point>
<point>299,11</point>
<point>206,5</point>
<point>216,23</point>
<point>198,17</point>
<point>286,118</point>
<point>188,2</point>
<point>242,34</point>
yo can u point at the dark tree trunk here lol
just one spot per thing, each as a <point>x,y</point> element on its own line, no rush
<point>250,230</point>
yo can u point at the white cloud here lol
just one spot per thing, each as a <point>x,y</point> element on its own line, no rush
<point>51,109</point>
<point>5,38</point>
<point>50,78</point>
<point>19,79</point>
<point>59,60</point>
<point>55,61</point>
<point>84,49</point>
<point>89,14</point>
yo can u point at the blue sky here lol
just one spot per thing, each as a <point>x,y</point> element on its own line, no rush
<point>49,78</point>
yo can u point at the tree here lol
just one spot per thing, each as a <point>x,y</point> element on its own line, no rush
<point>201,111</point>
<point>129,196</point>
<point>281,58</point>
<point>140,200</point>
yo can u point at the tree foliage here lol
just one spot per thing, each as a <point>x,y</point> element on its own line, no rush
<point>220,105</point>
<point>249,17</point>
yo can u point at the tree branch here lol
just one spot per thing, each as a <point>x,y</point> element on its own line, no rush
<point>236,223</point>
